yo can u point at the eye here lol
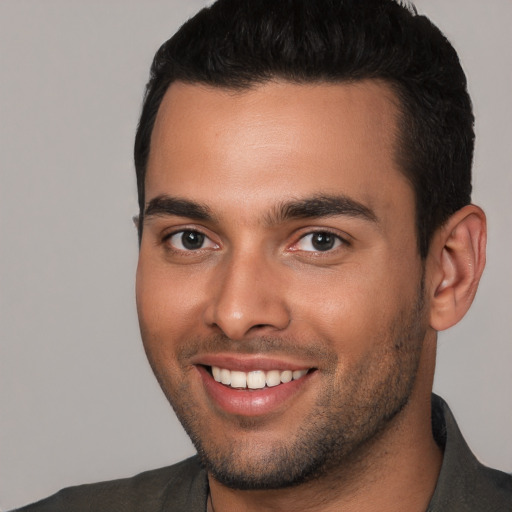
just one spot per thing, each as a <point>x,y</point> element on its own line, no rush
<point>320,241</point>
<point>189,240</point>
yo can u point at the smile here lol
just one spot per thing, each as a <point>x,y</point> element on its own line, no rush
<point>257,379</point>
<point>253,386</point>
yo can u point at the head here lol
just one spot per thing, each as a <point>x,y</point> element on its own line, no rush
<point>303,170</point>
<point>237,45</point>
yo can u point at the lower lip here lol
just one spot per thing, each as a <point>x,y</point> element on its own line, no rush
<point>251,402</point>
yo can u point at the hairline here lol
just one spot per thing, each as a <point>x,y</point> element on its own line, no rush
<point>395,91</point>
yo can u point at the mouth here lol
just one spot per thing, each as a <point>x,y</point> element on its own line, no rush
<point>253,387</point>
<point>256,379</point>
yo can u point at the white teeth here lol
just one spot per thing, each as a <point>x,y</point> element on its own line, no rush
<point>273,378</point>
<point>297,374</point>
<point>216,373</point>
<point>238,379</point>
<point>256,379</point>
<point>286,376</point>
<point>225,377</point>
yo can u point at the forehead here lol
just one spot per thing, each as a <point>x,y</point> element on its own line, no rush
<point>256,146</point>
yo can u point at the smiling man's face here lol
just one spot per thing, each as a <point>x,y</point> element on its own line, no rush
<point>279,286</point>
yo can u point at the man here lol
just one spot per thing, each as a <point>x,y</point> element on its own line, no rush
<point>305,230</point>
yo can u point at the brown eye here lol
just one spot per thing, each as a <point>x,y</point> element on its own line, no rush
<point>323,241</point>
<point>192,240</point>
<point>189,240</point>
<point>320,241</point>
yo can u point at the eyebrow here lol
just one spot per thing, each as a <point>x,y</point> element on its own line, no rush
<point>311,207</point>
<point>321,206</point>
<point>164,205</point>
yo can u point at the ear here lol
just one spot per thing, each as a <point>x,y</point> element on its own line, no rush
<point>456,262</point>
<point>135,220</point>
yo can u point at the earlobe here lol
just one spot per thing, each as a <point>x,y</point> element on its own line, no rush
<point>457,260</point>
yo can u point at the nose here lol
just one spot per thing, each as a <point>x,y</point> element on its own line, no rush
<point>248,297</point>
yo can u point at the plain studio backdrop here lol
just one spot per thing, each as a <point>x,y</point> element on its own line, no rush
<point>78,402</point>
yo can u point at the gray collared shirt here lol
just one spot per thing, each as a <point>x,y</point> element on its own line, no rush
<point>464,484</point>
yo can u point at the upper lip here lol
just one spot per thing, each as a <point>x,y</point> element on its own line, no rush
<point>250,362</point>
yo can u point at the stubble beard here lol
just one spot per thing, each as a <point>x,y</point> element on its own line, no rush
<point>351,413</point>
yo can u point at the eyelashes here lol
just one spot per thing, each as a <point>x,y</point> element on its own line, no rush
<point>190,240</point>
<point>194,241</point>
<point>318,241</point>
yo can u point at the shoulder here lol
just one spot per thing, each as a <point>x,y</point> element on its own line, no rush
<point>465,484</point>
<point>182,486</point>
<point>476,488</point>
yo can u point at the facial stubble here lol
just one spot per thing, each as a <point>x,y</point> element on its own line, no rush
<point>350,413</point>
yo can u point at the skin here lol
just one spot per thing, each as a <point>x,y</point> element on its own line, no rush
<point>257,293</point>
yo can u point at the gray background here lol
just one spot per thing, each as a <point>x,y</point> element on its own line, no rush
<point>78,402</point>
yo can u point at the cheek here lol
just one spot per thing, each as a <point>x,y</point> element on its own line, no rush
<point>167,304</point>
<point>348,321</point>
<point>354,306</point>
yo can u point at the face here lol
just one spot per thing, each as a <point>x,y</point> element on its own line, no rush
<point>279,286</point>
